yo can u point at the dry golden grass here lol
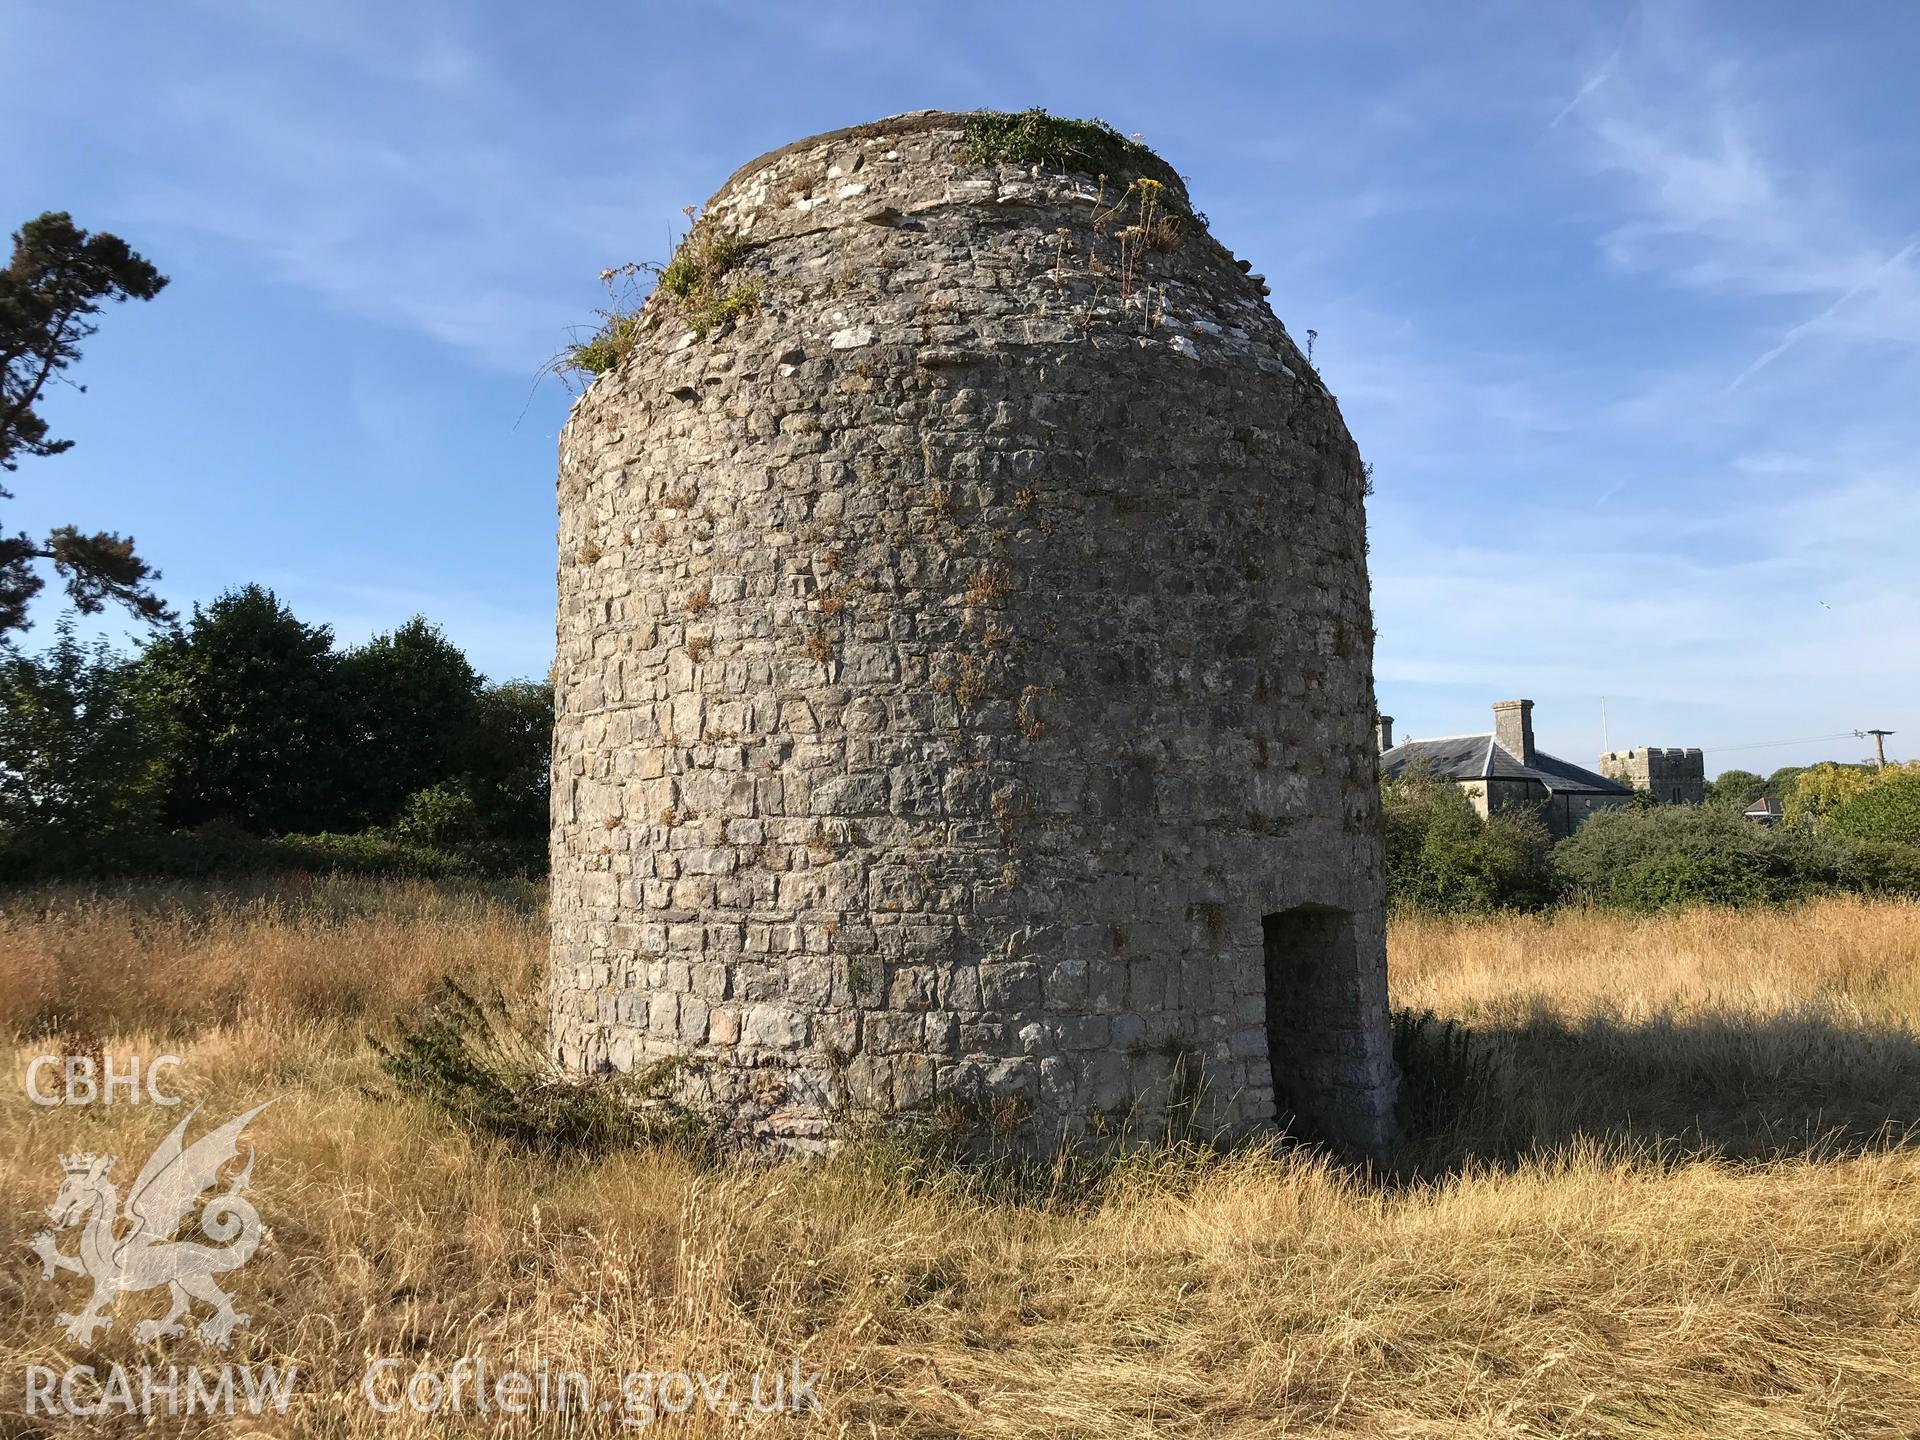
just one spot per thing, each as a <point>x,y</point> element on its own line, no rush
<point>1583,1254</point>
<point>1745,1033</point>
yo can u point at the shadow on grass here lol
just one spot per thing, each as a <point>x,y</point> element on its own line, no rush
<point>1729,1087</point>
<point>1664,1090</point>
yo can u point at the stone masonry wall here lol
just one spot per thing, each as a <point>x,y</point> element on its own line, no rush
<point>1673,776</point>
<point>959,659</point>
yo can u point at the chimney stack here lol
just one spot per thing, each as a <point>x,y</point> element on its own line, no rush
<point>1513,728</point>
<point>1383,732</point>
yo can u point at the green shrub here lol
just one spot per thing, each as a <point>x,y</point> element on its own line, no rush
<point>1669,855</point>
<point>1888,811</point>
<point>1674,855</point>
<point>466,1059</point>
<point>370,852</point>
<point>468,823</point>
<point>703,258</point>
<point>1875,867</point>
<point>1697,877</point>
<point>216,848</point>
<point>221,848</point>
<point>1441,855</point>
<point>444,816</point>
<point>696,277</point>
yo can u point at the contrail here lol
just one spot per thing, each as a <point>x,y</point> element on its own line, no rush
<point>1793,336</point>
<point>1592,83</point>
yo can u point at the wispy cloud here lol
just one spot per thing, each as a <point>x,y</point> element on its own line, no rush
<point>462,240</point>
<point>1792,615</point>
<point>1731,188</point>
<point>411,182</point>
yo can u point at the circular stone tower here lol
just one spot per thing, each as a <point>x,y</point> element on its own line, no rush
<point>964,697</point>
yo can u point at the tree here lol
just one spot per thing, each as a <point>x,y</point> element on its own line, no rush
<point>256,725</point>
<point>1441,855</point>
<point>512,744</point>
<point>494,813</point>
<point>1820,789</point>
<point>52,288</point>
<point>1735,789</point>
<point>411,699</point>
<point>80,753</point>
<point>1888,810</point>
<point>511,762</point>
<point>1780,782</point>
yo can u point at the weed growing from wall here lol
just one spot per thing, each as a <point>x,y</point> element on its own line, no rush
<point>695,279</point>
<point>696,276</point>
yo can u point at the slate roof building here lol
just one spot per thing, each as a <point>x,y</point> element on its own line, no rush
<point>1504,769</point>
<point>1764,811</point>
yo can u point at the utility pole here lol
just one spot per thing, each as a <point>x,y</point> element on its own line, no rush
<point>1879,746</point>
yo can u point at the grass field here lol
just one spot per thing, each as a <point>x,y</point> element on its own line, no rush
<point>1684,1203</point>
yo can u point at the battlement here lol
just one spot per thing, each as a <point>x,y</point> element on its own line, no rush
<point>1673,761</point>
<point>1673,775</point>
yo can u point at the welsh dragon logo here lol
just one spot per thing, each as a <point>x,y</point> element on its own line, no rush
<point>144,1255</point>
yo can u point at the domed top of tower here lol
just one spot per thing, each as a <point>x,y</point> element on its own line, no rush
<point>992,137</point>
<point>1054,231</point>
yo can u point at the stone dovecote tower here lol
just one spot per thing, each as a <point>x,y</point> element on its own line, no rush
<point>964,685</point>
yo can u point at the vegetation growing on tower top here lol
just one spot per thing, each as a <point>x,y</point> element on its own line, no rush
<point>1033,137</point>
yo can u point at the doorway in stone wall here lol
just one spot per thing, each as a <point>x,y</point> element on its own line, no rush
<point>1310,967</point>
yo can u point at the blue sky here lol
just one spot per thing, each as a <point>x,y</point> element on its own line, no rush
<point>1623,303</point>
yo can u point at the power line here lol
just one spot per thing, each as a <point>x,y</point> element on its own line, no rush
<point>1775,744</point>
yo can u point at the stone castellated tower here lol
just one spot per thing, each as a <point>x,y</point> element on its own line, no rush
<point>1671,776</point>
<point>964,686</point>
